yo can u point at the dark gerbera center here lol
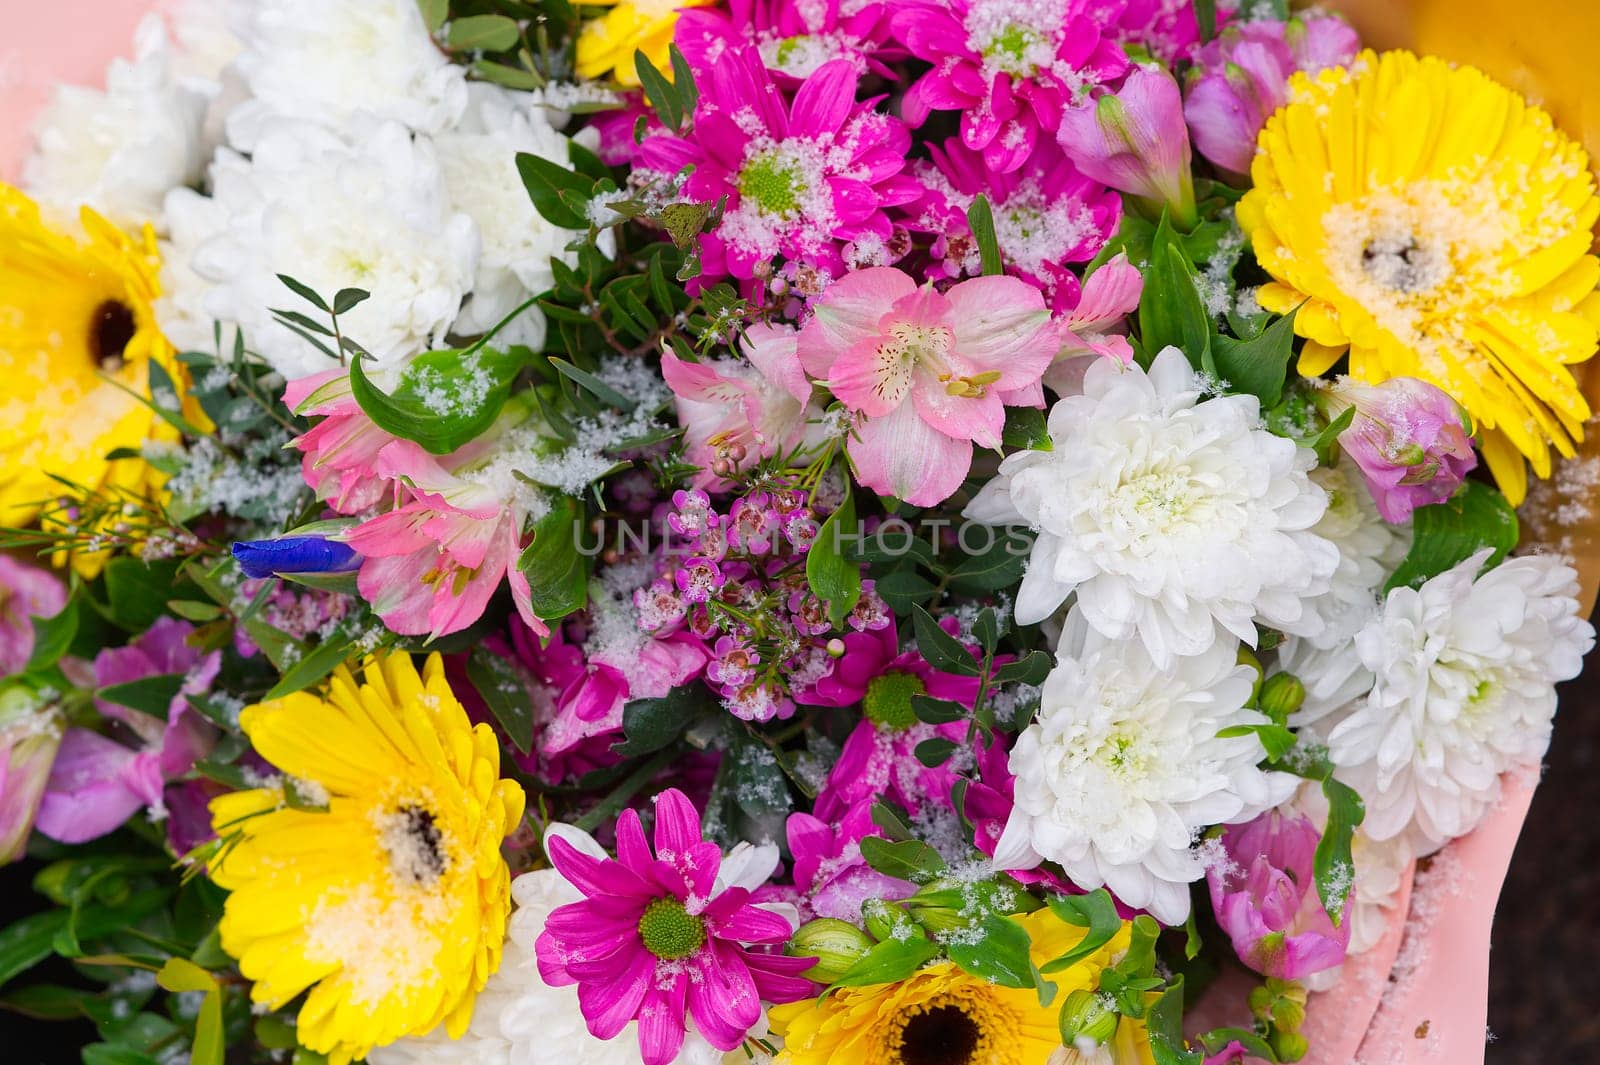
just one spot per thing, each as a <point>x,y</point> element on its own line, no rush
<point>415,846</point>
<point>111,327</point>
<point>1402,264</point>
<point>944,1035</point>
<point>669,931</point>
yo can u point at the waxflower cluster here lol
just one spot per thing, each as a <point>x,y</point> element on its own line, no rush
<point>800,533</point>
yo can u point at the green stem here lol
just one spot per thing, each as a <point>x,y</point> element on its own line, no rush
<point>619,796</point>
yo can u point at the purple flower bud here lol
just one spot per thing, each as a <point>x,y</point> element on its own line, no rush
<point>294,554</point>
<point>1265,897</point>
<point>1134,140</point>
<point>1410,440</point>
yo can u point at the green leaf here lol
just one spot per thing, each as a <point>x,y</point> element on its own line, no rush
<point>1205,16</point>
<point>115,1054</point>
<point>194,610</point>
<point>138,591</point>
<point>305,292</point>
<point>1448,533</point>
<point>935,751</point>
<point>1275,739</point>
<point>557,572</point>
<point>659,92</point>
<point>341,583</point>
<point>594,384</point>
<point>511,77</point>
<point>444,399</point>
<point>938,711</point>
<point>833,576</point>
<point>1332,864</point>
<point>546,181</point>
<point>504,693</point>
<point>890,961</point>
<point>1032,668</point>
<point>1026,430</point>
<point>1164,1021</point>
<point>483,33</point>
<point>148,695</point>
<point>313,666</point>
<point>684,221</point>
<point>943,651</point>
<point>904,588</point>
<point>180,974</point>
<point>997,563</point>
<point>52,636</point>
<point>999,956</point>
<point>348,299</point>
<point>652,724</point>
<point>1171,312</point>
<point>1326,440</point>
<point>1094,911</point>
<point>980,220</point>
<point>434,12</point>
<point>683,80</point>
<point>1257,366</point>
<point>909,859</point>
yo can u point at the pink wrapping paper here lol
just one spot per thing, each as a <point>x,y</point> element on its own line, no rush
<point>1403,1003</point>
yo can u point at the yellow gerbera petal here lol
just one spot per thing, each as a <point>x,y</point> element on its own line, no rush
<point>389,900</point>
<point>1442,226</point>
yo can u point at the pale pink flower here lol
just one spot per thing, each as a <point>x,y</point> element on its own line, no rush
<point>340,461</point>
<point>925,371</point>
<point>1135,141</point>
<point>1408,439</point>
<point>735,413</point>
<point>26,592</point>
<point>1090,330</point>
<point>30,733</point>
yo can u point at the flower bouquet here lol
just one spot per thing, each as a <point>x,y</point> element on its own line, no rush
<point>947,532</point>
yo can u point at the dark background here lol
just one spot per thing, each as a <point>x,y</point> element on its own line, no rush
<point>1544,971</point>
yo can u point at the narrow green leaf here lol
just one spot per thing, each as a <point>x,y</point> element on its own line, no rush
<point>504,693</point>
<point>148,695</point>
<point>1257,366</point>
<point>434,12</point>
<point>1171,312</point>
<point>652,724</point>
<point>545,181</point>
<point>938,711</point>
<point>445,398</point>
<point>311,668</point>
<point>889,962</point>
<point>1094,911</point>
<point>935,751</point>
<point>980,220</point>
<point>1332,864</point>
<point>1164,1022</point>
<point>52,636</point>
<point>594,384</point>
<point>557,572</point>
<point>1031,668</point>
<point>305,292</point>
<point>659,92</point>
<point>1026,430</point>
<point>348,299</point>
<point>683,80</point>
<point>909,859</point>
<point>483,33</point>
<point>1446,534</point>
<point>832,575</point>
<point>999,956</point>
<point>943,651</point>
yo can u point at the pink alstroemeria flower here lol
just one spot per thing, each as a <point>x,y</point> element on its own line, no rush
<point>666,936</point>
<point>1135,140</point>
<point>1411,441</point>
<point>1242,77</point>
<point>26,592</point>
<point>97,783</point>
<point>800,180</point>
<point>1265,898</point>
<point>878,759</point>
<point>30,733</point>
<point>830,875</point>
<point>1090,330</point>
<point>1046,215</point>
<point>736,413</point>
<point>927,371</point>
<point>793,38</point>
<point>340,451</point>
<point>1010,68</point>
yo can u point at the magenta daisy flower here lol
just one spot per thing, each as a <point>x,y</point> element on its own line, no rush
<point>793,37</point>
<point>1009,66</point>
<point>666,935</point>
<point>800,180</point>
<point>1046,214</point>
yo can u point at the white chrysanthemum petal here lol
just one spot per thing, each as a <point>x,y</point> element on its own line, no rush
<point>1122,768</point>
<point>1465,668</point>
<point>347,64</point>
<point>122,150</point>
<point>1173,519</point>
<point>369,214</point>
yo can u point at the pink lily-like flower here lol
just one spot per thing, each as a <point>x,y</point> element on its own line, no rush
<point>1242,77</point>
<point>1011,69</point>
<point>737,413</point>
<point>666,936</point>
<point>800,180</point>
<point>926,371</point>
<point>97,783</point>
<point>1265,898</point>
<point>26,592</point>
<point>340,452</point>
<point>1046,215</point>
<point>878,759</point>
<point>30,733</point>
<point>831,877</point>
<point>792,38</point>
<point>1135,141</point>
<point>1411,441</point>
<point>1090,330</point>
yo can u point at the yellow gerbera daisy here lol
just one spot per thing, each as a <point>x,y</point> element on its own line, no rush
<point>74,314</point>
<point>382,889</point>
<point>943,1016</point>
<point>1435,225</point>
<point>606,44</point>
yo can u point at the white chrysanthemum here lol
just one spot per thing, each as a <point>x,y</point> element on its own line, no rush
<point>345,64</point>
<point>1466,668</point>
<point>1369,551</point>
<point>120,151</point>
<point>204,43</point>
<point>1123,768</point>
<point>371,215</point>
<point>1169,517</point>
<point>479,158</point>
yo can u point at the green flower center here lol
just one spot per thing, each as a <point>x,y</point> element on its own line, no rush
<point>669,931</point>
<point>1012,49</point>
<point>773,183</point>
<point>888,700</point>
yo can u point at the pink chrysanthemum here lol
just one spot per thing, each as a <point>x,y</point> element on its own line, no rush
<point>660,936</point>
<point>801,180</point>
<point>793,38</point>
<point>1046,214</point>
<point>1009,66</point>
